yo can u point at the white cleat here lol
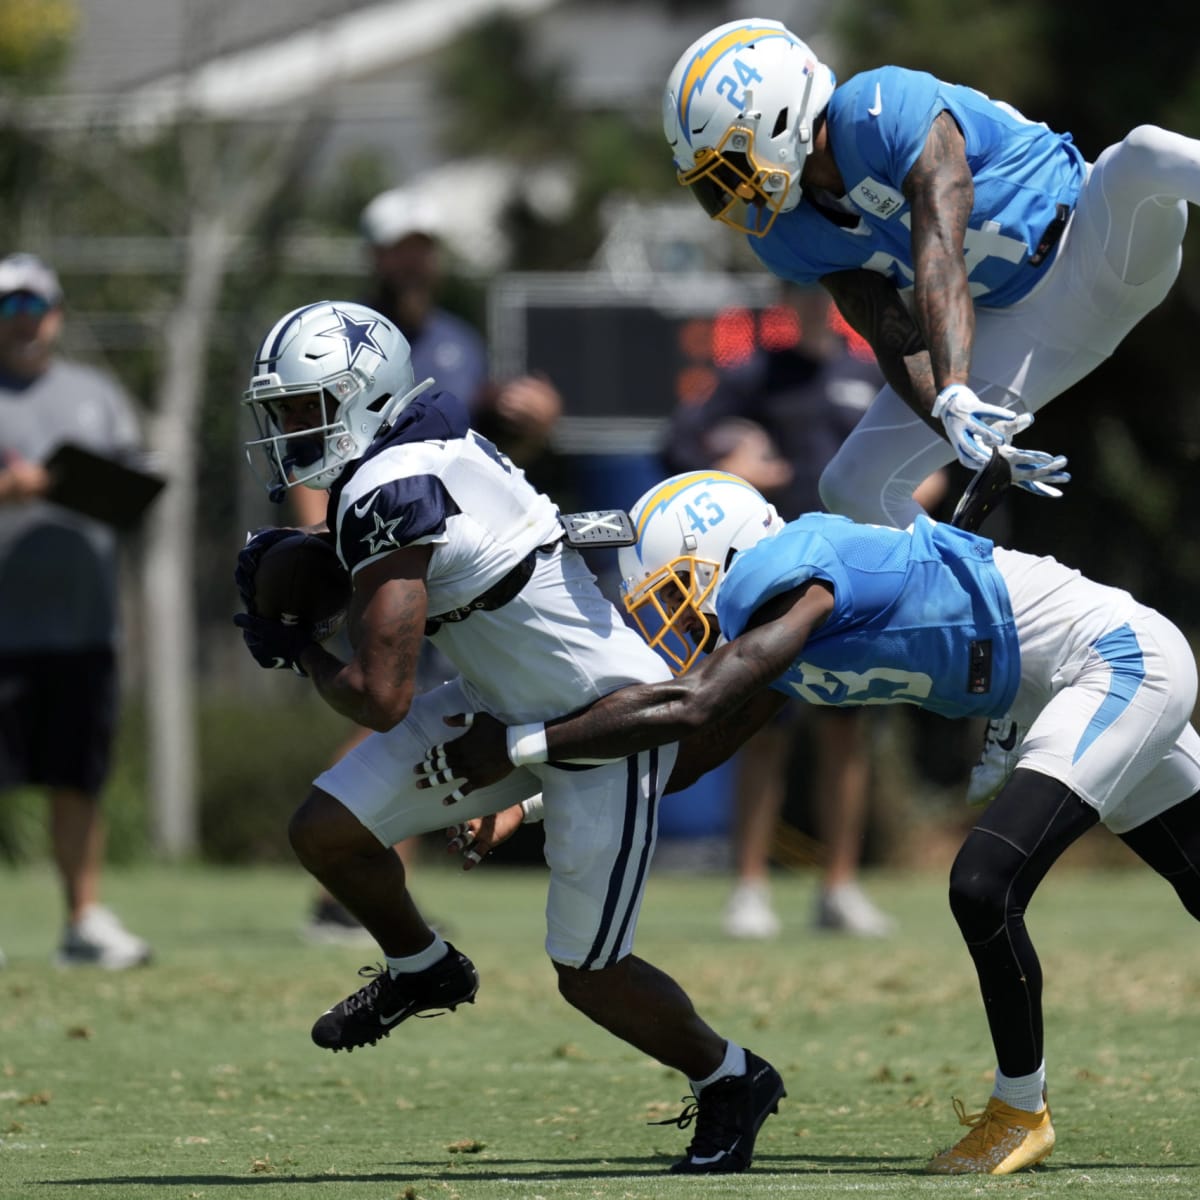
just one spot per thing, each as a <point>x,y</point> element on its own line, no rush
<point>846,908</point>
<point>749,914</point>
<point>1001,749</point>
<point>98,939</point>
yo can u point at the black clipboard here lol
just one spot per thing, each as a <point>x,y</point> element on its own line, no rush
<point>111,490</point>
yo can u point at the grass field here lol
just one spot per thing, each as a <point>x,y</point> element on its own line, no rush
<point>195,1078</point>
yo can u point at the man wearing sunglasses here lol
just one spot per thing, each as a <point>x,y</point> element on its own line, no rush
<point>58,601</point>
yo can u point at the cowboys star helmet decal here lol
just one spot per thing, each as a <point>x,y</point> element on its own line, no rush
<point>355,335</point>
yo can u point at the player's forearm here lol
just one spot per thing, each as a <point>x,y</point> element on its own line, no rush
<point>872,307</point>
<point>941,194</point>
<point>347,690</point>
<point>701,752</point>
<point>911,377</point>
<point>946,316</point>
<point>627,721</point>
<point>646,715</point>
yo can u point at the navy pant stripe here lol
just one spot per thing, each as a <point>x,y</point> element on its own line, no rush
<point>620,868</point>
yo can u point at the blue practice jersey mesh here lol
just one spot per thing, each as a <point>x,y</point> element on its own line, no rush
<point>913,610</point>
<point>878,123</point>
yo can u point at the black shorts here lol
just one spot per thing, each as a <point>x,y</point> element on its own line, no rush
<point>58,714</point>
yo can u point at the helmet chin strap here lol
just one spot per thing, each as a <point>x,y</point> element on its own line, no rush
<point>397,404</point>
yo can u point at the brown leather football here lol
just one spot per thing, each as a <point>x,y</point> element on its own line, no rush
<point>301,580</point>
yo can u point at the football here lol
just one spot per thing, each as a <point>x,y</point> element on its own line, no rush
<point>301,580</point>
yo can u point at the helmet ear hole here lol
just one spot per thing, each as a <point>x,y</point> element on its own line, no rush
<point>377,404</point>
<point>781,123</point>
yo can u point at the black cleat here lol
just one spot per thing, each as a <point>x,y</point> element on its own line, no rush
<point>379,1006</point>
<point>728,1116</point>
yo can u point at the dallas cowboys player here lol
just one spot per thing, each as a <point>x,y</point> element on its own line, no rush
<point>987,263</point>
<point>846,614</point>
<point>445,539</point>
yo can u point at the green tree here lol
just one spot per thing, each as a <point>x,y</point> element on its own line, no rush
<point>501,100</point>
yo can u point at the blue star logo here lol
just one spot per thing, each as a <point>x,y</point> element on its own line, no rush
<point>382,535</point>
<point>355,335</point>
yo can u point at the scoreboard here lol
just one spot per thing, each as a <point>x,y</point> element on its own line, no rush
<point>624,353</point>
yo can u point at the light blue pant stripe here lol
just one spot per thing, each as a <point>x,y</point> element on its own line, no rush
<point>1121,651</point>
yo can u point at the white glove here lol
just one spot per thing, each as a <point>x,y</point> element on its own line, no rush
<point>1036,471</point>
<point>973,427</point>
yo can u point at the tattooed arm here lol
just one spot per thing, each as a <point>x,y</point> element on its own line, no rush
<point>919,355</point>
<point>872,307</point>
<point>709,748</point>
<point>695,705</point>
<point>387,625</point>
<point>940,193</point>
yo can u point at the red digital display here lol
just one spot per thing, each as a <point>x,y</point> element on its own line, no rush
<point>728,339</point>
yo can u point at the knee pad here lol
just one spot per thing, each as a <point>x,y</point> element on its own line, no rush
<point>977,895</point>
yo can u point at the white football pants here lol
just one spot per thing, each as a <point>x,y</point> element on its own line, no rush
<point>1118,257</point>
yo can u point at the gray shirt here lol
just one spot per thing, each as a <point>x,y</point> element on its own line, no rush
<point>58,570</point>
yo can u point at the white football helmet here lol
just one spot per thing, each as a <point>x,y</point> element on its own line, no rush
<point>688,529</point>
<point>360,366</point>
<point>738,113</point>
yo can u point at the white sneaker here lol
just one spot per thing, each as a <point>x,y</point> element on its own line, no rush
<point>1001,748</point>
<point>99,939</point>
<point>846,909</point>
<point>749,913</point>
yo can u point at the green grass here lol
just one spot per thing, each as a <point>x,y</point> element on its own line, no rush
<point>195,1078</point>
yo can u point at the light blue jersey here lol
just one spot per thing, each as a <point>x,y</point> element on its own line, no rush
<point>878,123</point>
<point>921,615</point>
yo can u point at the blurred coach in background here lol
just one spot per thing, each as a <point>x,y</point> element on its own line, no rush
<point>58,601</point>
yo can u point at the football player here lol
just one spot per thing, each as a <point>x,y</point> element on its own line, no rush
<point>841,613</point>
<point>445,539</point>
<point>987,263</point>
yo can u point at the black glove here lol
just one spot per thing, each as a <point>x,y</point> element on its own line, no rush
<point>274,644</point>
<point>247,561</point>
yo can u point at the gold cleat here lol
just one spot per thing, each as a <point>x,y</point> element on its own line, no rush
<point>1002,1140</point>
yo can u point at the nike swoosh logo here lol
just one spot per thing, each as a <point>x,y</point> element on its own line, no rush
<point>877,108</point>
<point>1009,740</point>
<point>392,1019</point>
<point>360,510</point>
<point>720,1154</point>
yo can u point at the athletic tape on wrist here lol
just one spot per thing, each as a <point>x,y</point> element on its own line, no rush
<point>526,744</point>
<point>533,809</point>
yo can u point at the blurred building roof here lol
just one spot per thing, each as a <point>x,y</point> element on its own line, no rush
<point>141,61</point>
<point>366,66</point>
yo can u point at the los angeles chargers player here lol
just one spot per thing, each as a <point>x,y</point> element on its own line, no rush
<point>987,263</point>
<point>841,613</point>
<point>444,538</point>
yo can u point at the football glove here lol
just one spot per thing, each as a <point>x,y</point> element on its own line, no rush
<point>974,427</point>
<point>257,544</point>
<point>274,644</point>
<point>1036,471</point>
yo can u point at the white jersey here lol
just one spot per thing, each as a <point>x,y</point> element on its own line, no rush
<point>553,646</point>
<point>558,644</point>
